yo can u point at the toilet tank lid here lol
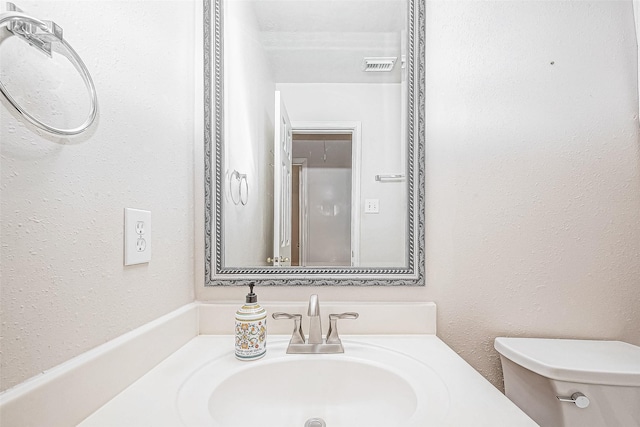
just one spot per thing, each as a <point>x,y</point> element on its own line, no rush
<point>582,361</point>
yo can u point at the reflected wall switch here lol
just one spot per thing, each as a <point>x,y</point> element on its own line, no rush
<point>137,236</point>
<point>371,205</point>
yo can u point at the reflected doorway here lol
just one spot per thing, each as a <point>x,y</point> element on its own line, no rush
<point>323,214</point>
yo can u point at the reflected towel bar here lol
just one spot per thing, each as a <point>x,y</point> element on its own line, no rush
<point>389,177</point>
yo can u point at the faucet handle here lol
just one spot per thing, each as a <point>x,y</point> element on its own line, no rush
<point>332,335</point>
<point>297,337</point>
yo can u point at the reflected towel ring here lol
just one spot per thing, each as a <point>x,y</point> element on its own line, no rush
<point>244,195</point>
<point>234,190</point>
<point>238,187</point>
<point>44,35</point>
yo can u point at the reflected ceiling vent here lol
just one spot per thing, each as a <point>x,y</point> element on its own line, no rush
<point>379,64</point>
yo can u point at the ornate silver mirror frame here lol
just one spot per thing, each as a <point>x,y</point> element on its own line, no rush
<point>215,271</point>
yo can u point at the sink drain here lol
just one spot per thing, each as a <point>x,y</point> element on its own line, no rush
<point>315,422</point>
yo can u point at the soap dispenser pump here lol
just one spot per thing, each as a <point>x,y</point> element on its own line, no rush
<point>251,329</point>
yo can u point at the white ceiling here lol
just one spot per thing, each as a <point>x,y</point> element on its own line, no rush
<point>309,41</point>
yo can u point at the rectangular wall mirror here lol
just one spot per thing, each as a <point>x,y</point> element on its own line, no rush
<point>314,142</point>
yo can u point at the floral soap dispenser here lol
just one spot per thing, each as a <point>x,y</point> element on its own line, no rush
<point>251,329</point>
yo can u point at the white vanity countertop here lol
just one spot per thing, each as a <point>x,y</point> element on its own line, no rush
<point>151,400</point>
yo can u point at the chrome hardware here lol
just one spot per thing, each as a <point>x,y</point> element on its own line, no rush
<point>238,188</point>
<point>315,326</point>
<point>298,336</point>
<point>315,422</point>
<point>580,400</point>
<point>278,259</point>
<point>315,344</point>
<point>332,335</point>
<point>234,180</point>
<point>47,37</point>
<point>39,34</point>
<point>244,190</point>
<point>388,177</point>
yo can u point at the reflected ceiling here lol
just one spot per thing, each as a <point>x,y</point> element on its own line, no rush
<point>327,41</point>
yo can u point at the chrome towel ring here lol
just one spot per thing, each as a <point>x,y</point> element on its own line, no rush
<point>47,37</point>
<point>238,187</point>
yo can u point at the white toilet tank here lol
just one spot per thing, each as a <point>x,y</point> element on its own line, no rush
<point>602,378</point>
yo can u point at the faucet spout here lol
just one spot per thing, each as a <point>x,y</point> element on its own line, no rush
<point>315,327</point>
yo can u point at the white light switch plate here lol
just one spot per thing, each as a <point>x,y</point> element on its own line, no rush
<point>137,236</point>
<point>371,206</point>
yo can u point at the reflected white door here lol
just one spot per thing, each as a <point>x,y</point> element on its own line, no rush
<point>282,186</point>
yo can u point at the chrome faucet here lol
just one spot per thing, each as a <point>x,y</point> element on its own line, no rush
<point>315,344</point>
<point>315,326</point>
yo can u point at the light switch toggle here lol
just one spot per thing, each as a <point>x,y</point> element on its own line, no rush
<point>372,206</point>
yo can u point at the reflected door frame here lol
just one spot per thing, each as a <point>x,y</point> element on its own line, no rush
<point>303,211</point>
<point>355,129</point>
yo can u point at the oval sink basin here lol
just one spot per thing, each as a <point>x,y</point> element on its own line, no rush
<point>366,386</point>
<point>338,391</point>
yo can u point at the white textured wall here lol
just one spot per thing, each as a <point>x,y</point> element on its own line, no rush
<point>248,135</point>
<point>64,286</point>
<point>533,177</point>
